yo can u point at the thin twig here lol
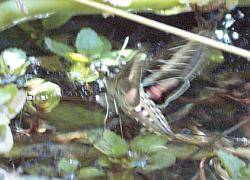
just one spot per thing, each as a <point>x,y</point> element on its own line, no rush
<point>235,127</point>
<point>107,109</point>
<point>120,119</point>
<point>202,175</point>
<point>123,48</point>
<point>167,28</point>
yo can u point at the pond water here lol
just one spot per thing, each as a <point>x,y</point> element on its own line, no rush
<point>63,134</point>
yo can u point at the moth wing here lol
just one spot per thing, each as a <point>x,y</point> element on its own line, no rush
<point>130,79</point>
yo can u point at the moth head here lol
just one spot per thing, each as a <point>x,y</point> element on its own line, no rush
<point>129,80</point>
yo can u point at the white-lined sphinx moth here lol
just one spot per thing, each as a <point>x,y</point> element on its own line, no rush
<point>126,89</point>
<point>184,65</point>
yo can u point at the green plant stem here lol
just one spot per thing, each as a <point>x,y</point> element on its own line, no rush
<point>10,14</point>
<point>141,5</point>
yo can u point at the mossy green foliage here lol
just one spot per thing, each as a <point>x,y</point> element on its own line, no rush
<point>88,42</point>
<point>66,166</point>
<point>147,143</point>
<point>57,47</point>
<point>235,167</point>
<point>13,61</point>
<point>70,116</point>
<point>7,93</point>
<point>108,143</point>
<point>90,172</point>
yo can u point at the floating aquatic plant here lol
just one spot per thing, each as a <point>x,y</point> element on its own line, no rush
<point>44,95</point>
<point>145,153</point>
<point>13,61</point>
<point>90,48</point>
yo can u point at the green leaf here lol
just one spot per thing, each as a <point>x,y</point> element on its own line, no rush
<point>2,131</point>
<point>124,175</point>
<point>52,63</point>
<point>46,95</point>
<point>4,120</point>
<point>4,96</point>
<point>81,73</point>
<point>120,3</point>
<point>88,42</point>
<point>55,21</point>
<point>243,152</point>
<point>109,58</point>
<point>147,143</point>
<point>58,48</point>
<point>13,62</point>
<point>62,37</point>
<point>76,57</point>
<point>66,166</point>
<point>231,163</point>
<point>106,44</point>
<point>7,93</point>
<point>15,105</point>
<point>104,161</point>
<point>108,142</point>
<point>39,168</point>
<point>160,159</point>
<point>4,70</point>
<point>70,116</point>
<point>90,172</point>
<point>216,56</point>
<point>6,140</point>
<point>189,151</point>
<point>200,3</point>
<point>22,69</point>
<point>245,172</point>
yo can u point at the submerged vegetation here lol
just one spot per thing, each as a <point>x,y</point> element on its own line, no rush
<point>89,97</point>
